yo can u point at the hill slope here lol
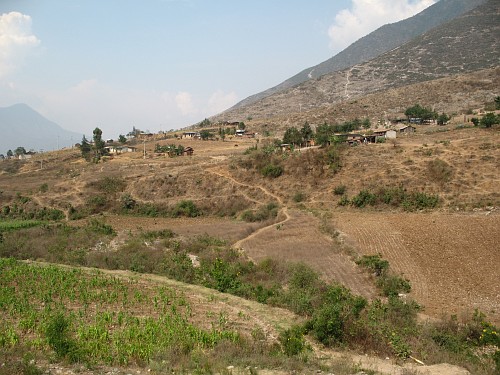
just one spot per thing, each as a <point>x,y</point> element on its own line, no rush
<point>20,125</point>
<point>465,44</point>
<point>376,43</point>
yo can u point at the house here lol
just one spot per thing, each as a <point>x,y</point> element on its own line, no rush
<point>391,134</point>
<point>111,149</point>
<point>127,149</point>
<point>190,135</point>
<point>286,147</point>
<point>188,151</point>
<point>407,129</point>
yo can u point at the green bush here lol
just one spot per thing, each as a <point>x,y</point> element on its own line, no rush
<point>339,190</point>
<point>292,341</point>
<point>58,337</point>
<point>272,170</point>
<point>375,263</point>
<point>185,208</point>
<point>364,198</point>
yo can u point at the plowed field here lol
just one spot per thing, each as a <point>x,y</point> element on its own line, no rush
<point>452,260</point>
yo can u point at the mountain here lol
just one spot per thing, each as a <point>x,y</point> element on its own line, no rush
<point>21,126</point>
<point>465,44</point>
<point>376,43</point>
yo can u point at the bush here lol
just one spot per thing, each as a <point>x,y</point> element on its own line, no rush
<point>272,170</point>
<point>292,341</point>
<point>299,197</point>
<point>58,338</point>
<point>364,198</point>
<point>339,190</point>
<point>185,208</point>
<point>375,263</point>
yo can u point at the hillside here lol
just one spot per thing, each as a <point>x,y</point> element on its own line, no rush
<point>441,52</point>
<point>215,221</point>
<point>21,126</point>
<point>376,43</point>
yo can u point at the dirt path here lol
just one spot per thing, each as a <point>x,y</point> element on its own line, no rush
<point>283,211</point>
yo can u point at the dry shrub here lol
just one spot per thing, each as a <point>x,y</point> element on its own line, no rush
<point>440,171</point>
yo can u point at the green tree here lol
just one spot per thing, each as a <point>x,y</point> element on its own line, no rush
<point>420,113</point>
<point>323,134</point>
<point>366,123</point>
<point>20,151</point>
<point>489,120</point>
<point>98,144</point>
<point>10,153</point>
<point>206,122</point>
<point>442,119</point>
<point>292,136</point>
<point>222,134</point>
<point>122,139</point>
<point>475,121</point>
<point>205,134</point>
<point>85,148</point>
<point>307,132</point>
<point>241,126</point>
<point>497,102</point>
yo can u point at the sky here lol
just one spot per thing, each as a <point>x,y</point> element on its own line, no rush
<point>166,64</point>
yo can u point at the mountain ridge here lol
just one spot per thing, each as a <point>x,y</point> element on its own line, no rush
<point>22,126</point>
<point>383,39</point>
<point>463,45</point>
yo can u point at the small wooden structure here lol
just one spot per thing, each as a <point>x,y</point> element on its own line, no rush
<point>188,151</point>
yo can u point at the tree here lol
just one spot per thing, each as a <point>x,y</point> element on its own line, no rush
<point>323,134</point>
<point>10,154</point>
<point>85,148</point>
<point>442,119</point>
<point>122,139</point>
<point>366,123</point>
<point>98,144</point>
<point>497,102</point>
<point>241,126</point>
<point>222,134</point>
<point>20,151</point>
<point>205,134</point>
<point>292,136</point>
<point>306,132</point>
<point>420,113</point>
<point>475,121</point>
<point>206,122</point>
<point>489,120</point>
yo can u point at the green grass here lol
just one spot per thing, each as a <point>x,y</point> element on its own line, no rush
<point>8,225</point>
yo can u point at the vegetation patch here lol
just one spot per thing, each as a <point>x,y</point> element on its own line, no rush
<point>392,196</point>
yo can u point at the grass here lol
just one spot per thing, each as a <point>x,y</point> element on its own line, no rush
<point>8,225</point>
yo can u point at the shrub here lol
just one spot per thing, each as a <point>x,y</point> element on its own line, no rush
<point>375,263</point>
<point>335,320</point>
<point>292,341</point>
<point>185,208</point>
<point>339,190</point>
<point>364,198</point>
<point>299,197</point>
<point>58,338</point>
<point>439,171</point>
<point>110,185</point>
<point>272,170</point>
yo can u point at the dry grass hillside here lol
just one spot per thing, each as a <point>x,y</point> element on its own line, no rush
<point>458,165</point>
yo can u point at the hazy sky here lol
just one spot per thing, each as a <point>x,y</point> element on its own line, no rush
<point>166,64</point>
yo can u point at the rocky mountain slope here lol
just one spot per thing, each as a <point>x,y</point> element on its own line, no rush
<point>376,43</point>
<point>466,44</point>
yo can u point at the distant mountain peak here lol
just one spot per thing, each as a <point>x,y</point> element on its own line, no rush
<point>21,125</point>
